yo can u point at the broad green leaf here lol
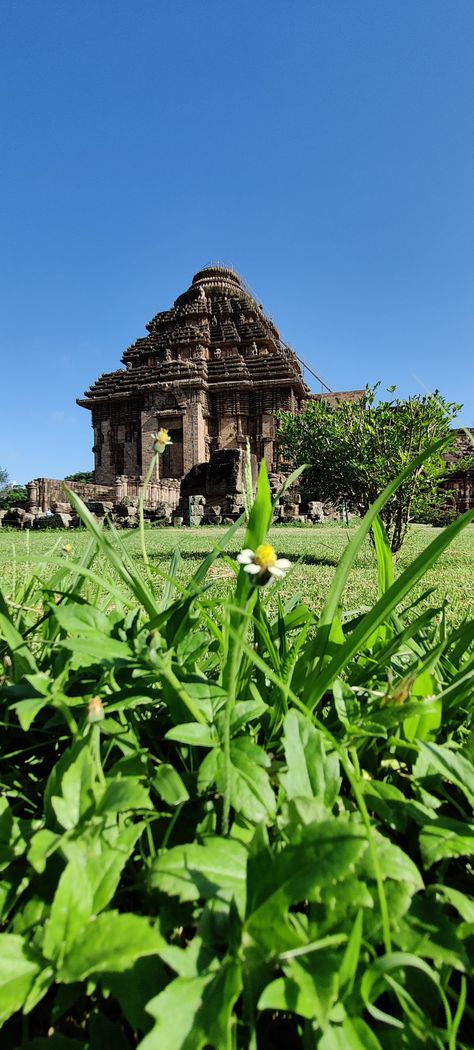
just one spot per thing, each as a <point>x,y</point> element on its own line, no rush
<point>22,658</point>
<point>309,988</point>
<point>79,618</point>
<point>217,869</point>
<point>201,1010</point>
<point>422,726</point>
<point>28,709</point>
<point>193,733</point>
<point>104,855</point>
<point>453,767</point>
<point>77,790</point>
<point>251,793</point>
<point>18,969</point>
<point>110,944</point>
<point>41,985</point>
<point>107,651</point>
<point>463,904</point>
<point>311,772</point>
<point>445,837</point>
<point>169,785</point>
<point>326,854</point>
<point>394,863</point>
<point>70,911</point>
<point>121,794</point>
<point>427,931</point>
<point>42,845</point>
<point>353,1034</point>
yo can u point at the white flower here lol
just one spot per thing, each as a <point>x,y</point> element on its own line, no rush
<point>161,440</point>
<point>263,562</point>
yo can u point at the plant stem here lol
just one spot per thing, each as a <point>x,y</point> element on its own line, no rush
<point>95,747</point>
<point>353,779</point>
<point>231,679</point>
<point>141,506</point>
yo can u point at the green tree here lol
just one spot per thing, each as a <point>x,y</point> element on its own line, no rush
<point>12,495</point>
<point>84,477</point>
<point>356,447</point>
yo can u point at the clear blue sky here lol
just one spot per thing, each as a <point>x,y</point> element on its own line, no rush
<point>322,147</point>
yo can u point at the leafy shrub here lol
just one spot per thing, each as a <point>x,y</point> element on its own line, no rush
<point>251,833</point>
<point>84,477</point>
<point>12,496</point>
<point>354,448</point>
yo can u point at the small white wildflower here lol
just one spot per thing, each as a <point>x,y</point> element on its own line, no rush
<point>263,563</point>
<point>161,440</point>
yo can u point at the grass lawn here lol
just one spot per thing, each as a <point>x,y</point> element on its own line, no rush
<point>315,552</point>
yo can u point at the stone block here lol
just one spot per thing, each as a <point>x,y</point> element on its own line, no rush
<point>60,508</point>
<point>63,521</point>
<point>99,507</point>
<point>315,510</point>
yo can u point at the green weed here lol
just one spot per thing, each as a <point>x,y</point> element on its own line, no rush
<point>229,820</point>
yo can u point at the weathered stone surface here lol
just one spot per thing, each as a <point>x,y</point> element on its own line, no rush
<point>315,511</point>
<point>60,508</point>
<point>100,508</point>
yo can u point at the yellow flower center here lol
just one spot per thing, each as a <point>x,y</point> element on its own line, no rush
<point>162,437</point>
<point>265,556</point>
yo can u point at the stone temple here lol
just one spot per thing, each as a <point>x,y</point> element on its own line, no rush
<point>212,370</point>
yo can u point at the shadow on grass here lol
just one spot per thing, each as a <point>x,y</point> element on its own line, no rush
<point>301,559</point>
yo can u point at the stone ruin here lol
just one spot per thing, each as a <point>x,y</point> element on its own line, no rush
<point>212,493</point>
<point>214,372</point>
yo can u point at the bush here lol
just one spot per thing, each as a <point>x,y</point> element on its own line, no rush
<point>84,477</point>
<point>247,833</point>
<point>13,496</point>
<point>355,448</point>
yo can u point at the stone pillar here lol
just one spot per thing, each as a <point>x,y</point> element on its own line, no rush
<point>105,473</point>
<point>32,490</point>
<point>194,436</point>
<point>120,489</point>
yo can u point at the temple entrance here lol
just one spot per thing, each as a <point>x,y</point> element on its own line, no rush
<point>171,462</point>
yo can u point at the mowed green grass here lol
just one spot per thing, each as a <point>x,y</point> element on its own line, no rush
<point>314,553</point>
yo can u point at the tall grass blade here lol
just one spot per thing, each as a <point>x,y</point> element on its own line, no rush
<point>317,684</point>
<point>321,642</point>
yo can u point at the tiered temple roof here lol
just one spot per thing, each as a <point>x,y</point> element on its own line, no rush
<point>216,332</point>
